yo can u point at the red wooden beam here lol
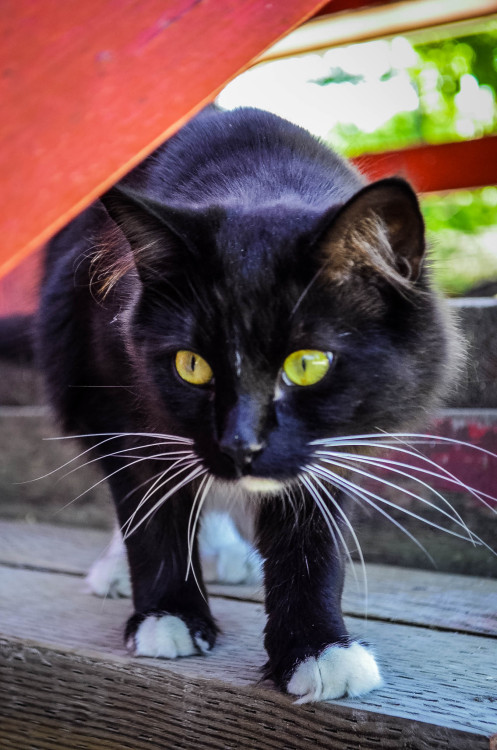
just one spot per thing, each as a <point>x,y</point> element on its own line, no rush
<point>437,168</point>
<point>90,87</point>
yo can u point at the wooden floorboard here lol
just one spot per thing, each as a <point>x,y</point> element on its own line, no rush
<point>66,681</point>
<point>437,600</point>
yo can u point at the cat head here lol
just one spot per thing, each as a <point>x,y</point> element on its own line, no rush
<point>258,330</point>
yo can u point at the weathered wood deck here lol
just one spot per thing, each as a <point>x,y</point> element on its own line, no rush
<point>66,680</point>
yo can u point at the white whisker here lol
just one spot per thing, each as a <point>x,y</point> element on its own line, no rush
<point>199,500</point>
<point>197,472</point>
<point>336,505</point>
<point>456,518</point>
<point>328,517</point>
<point>356,492</point>
<point>161,480</point>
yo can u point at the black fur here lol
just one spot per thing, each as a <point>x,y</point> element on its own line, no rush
<point>243,239</point>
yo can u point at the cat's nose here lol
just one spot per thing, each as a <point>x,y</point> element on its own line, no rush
<point>241,452</point>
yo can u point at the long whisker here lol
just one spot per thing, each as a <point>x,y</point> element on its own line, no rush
<point>456,518</point>
<point>199,500</point>
<point>446,474</point>
<point>187,461</point>
<point>161,480</point>
<point>108,437</point>
<point>198,471</point>
<point>330,521</point>
<point>355,492</point>
<point>336,505</point>
<point>103,479</point>
<point>408,512</point>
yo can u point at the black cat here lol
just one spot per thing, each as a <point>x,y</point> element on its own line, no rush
<point>240,300</point>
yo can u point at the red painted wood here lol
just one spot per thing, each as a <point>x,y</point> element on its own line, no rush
<point>468,454</point>
<point>19,288</point>
<point>436,168</point>
<point>90,87</point>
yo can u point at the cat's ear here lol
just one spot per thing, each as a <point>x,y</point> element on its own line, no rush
<point>151,240</point>
<point>379,229</point>
<point>162,238</point>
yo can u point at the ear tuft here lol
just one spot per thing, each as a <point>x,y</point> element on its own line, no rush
<point>380,228</point>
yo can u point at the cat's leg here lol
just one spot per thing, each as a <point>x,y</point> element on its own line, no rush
<point>172,617</point>
<point>226,556</point>
<point>311,655</point>
<point>109,575</point>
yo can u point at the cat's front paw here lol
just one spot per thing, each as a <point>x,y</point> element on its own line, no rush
<point>167,636</point>
<point>336,672</point>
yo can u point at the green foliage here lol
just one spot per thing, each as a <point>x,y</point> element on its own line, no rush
<point>455,80</point>
<point>462,234</point>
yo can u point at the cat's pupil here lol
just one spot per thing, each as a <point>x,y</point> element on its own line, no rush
<point>192,363</point>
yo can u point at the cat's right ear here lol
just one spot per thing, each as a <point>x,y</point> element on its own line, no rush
<point>154,246</point>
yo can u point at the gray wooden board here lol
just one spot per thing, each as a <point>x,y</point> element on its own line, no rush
<point>67,682</point>
<point>440,600</point>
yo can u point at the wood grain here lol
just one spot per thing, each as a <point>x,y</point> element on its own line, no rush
<point>436,600</point>
<point>65,678</point>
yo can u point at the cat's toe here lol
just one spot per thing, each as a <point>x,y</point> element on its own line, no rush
<point>167,636</point>
<point>338,671</point>
<point>109,576</point>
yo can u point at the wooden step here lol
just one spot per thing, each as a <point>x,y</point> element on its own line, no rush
<point>67,682</point>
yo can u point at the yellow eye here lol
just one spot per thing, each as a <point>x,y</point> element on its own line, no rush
<point>306,367</point>
<point>193,368</point>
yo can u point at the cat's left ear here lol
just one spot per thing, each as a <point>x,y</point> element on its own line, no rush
<point>382,228</point>
<point>160,237</point>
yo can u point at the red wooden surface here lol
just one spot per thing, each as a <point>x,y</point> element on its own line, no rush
<point>89,87</point>
<point>464,448</point>
<point>437,168</point>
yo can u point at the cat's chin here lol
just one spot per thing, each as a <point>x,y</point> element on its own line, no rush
<point>260,485</point>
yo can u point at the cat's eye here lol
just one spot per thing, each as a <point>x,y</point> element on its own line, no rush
<point>306,367</point>
<point>193,368</point>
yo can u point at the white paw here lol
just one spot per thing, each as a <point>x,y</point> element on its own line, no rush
<point>165,637</point>
<point>336,672</point>
<point>109,576</point>
<point>226,556</point>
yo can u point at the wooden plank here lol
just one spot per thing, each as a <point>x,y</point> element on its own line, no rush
<point>437,167</point>
<point>61,649</point>
<point>88,89</point>
<point>377,21</point>
<point>436,600</point>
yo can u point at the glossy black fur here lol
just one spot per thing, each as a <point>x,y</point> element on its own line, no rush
<point>242,214</point>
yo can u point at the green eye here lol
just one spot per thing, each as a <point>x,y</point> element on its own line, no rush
<point>306,367</point>
<point>193,368</point>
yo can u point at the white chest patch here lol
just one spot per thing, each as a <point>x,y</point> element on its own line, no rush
<point>338,671</point>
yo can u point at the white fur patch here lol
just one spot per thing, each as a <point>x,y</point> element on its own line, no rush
<point>226,556</point>
<point>165,637</point>
<point>338,671</point>
<point>109,575</point>
<point>261,485</point>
